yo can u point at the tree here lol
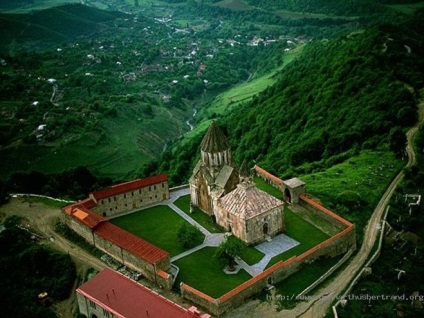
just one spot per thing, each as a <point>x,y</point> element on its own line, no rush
<point>187,234</point>
<point>229,249</point>
<point>397,140</point>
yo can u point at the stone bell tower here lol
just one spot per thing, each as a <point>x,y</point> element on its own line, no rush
<point>214,174</point>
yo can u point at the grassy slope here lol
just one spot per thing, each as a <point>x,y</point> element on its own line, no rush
<point>238,95</point>
<point>120,146</point>
<point>17,7</point>
<point>245,92</point>
<point>51,26</point>
<point>368,174</point>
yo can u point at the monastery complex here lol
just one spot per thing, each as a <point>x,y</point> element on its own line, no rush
<point>229,197</point>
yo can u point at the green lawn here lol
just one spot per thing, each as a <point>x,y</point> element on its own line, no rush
<point>202,218</point>
<point>302,231</point>
<point>296,283</point>
<point>204,272</point>
<point>264,186</point>
<point>157,225</point>
<point>251,255</point>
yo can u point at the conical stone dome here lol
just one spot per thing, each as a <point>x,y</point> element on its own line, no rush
<point>215,148</point>
<point>214,140</point>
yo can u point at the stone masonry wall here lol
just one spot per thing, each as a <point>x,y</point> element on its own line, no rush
<point>81,229</point>
<point>335,245</point>
<point>132,200</point>
<point>324,213</point>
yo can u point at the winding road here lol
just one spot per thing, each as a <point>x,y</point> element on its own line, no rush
<point>41,219</point>
<point>319,303</point>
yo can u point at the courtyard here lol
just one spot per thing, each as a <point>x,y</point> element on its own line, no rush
<point>159,224</point>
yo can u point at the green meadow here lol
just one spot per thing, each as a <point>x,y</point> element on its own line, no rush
<point>246,91</point>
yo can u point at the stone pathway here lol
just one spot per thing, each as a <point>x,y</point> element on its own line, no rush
<point>211,239</point>
<point>277,245</point>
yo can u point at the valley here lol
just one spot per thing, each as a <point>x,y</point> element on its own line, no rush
<point>93,93</point>
<point>148,77</point>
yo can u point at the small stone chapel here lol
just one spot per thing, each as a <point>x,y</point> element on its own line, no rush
<point>231,199</point>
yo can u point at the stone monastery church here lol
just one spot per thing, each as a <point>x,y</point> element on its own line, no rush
<point>229,196</point>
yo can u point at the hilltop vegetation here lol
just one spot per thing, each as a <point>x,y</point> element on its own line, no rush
<point>399,270</point>
<point>133,74</point>
<point>344,95</point>
<point>113,91</point>
<point>52,27</point>
<point>116,90</point>
<point>29,268</point>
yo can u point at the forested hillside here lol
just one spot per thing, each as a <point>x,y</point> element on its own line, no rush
<point>355,92</point>
<point>112,91</point>
<point>52,26</point>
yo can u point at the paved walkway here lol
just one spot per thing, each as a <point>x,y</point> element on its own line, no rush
<point>277,245</point>
<point>211,239</point>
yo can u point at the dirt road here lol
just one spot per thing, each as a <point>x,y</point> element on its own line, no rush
<point>41,219</point>
<point>318,305</point>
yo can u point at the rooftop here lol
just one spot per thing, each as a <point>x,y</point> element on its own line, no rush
<point>247,201</point>
<point>128,186</point>
<point>126,298</point>
<point>214,140</point>
<point>294,183</point>
<point>131,243</point>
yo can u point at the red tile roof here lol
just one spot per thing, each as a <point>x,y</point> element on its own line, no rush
<point>126,298</point>
<point>87,217</point>
<point>268,175</point>
<point>130,242</point>
<point>83,215</point>
<point>86,203</point>
<point>129,186</point>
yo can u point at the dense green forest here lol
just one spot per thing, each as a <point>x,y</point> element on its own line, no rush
<point>113,97</point>
<point>64,105</point>
<point>344,95</point>
<point>28,268</point>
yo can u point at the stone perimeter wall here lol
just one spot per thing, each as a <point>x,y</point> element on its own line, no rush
<point>338,244</point>
<point>154,272</point>
<point>335,245</point>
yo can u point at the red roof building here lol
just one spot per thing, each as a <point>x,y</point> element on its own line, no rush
<point>89,218</point>
<point>111,294</point>
<point>128,186</point>
<point>131,243</point>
